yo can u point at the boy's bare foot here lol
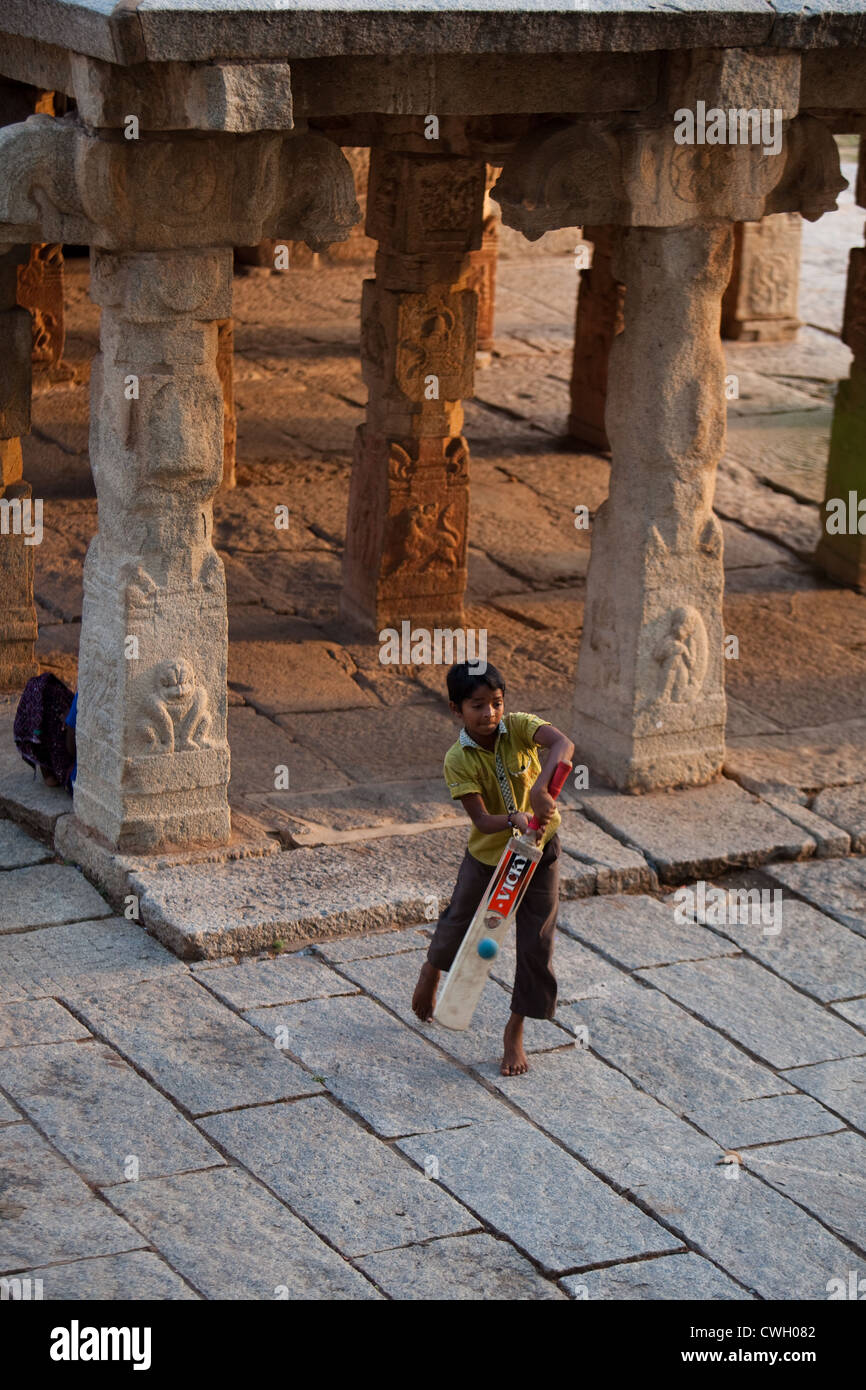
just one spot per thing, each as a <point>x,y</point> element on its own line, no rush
<point>514,1061</point>
<point>424,998</point>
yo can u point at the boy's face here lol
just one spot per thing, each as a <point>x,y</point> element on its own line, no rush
<point>481,712</point>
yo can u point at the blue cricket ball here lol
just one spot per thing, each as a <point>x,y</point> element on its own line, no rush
<point>487,948</point>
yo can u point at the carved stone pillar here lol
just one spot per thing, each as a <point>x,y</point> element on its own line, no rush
<point>161,216</point>
<point>599,319</point>
<point>650,696</point>
<point>17,611</point>
<point>405,554</point>
<point>40,290</point>
<point>649,703</point>
<point>841,551</point>
<point>760,303</point>
<point>484,262</point>
<point>152,753</point>
<point>225,370</point>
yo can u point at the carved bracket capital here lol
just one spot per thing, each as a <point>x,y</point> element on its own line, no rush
<point>61,182</point>
<point>567,174</point>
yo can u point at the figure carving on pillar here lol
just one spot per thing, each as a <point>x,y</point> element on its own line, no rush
<point>682,654</point>
<point>175,714</point>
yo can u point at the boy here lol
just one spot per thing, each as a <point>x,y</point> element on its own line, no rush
<point>494,768</point>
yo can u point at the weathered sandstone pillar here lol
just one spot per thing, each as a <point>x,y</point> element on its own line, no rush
<point>760,302</point>
<point>841,551</point>
<point>17,611</point>
<point>599,318</point>
<point>161,215</point>
<point>152,752</point>
<point>649,703</point>
<point>405,554</point>
<point>40,290</point>
<point>650,692</point>
<point>225,371</point>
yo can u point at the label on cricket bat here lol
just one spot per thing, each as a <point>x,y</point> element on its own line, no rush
<point>505,890</point>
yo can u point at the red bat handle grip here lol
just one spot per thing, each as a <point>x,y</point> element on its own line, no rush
<point>557,781</point>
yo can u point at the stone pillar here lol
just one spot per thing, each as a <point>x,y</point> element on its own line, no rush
<point>484,262</point>
<point>225,371</point>
<point>841,551</point>
<point>161,216</point>
<point>405,555</point>
<point>760,303</point>
<point>152,753</point>
<point>649,703</point>
<point>17,611</point>
<point>599,319</point>
<point>40,289</point>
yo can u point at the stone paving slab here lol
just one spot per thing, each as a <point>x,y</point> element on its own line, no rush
<point>826,1175</point>
<point>669,1053</point>
<point>393,1079</point>
<point>373,945</point>
<point>231,1239</point>
<point>811,950</point>
<point>83,958</point>
<point>47,895</point>
<point>296,896</point>
<point>638,931</point>
<point>758,1010</point>
<point>139,1275</point>
<point>354,1190</point>
<point>461,1268</point>
<point>573,1219</point>
<point>100,1114</point>
<point>679,1176</point>
<point>29,1022</point>
<point>617,868</point>
<point>698,831</point>
<point>23,795</point>
<point>828,754</point>
<point>764,1120</point>
<point>830,840</point>
<point>836,886</point>
<point>47,1212</point>
<point>580,973</point>
<point>854,1010</point>
<point>845,806</point>
<point>18,849</point>
<point>392,980</point>
<point>193,1048</point>
<point>287,979</point>
<point>681,1277</point>
<point>841,1086</point>
<point>8,1115</point>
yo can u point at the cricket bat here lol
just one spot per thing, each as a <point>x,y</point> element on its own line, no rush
<point>489,927</point>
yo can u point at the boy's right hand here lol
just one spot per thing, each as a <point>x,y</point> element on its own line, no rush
<point>520,821</point>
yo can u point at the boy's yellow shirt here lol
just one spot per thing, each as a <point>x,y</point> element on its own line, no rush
<point>470,768</point>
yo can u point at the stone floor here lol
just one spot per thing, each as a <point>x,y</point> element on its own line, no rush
<point>692,1125</point>
<point>693,1122</point>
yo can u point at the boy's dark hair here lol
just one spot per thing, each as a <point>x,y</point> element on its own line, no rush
<point>463,682</point>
